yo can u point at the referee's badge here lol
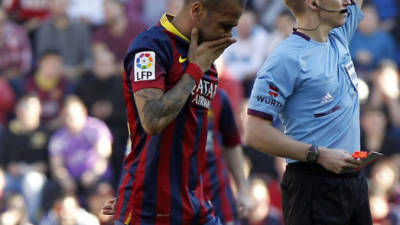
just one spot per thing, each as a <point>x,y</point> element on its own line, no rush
<point>351,71</point>
<point>145,66</point>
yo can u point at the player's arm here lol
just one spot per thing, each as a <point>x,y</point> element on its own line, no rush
<point>157,108</point>
<point>235,161</point>
<point>261,135</point>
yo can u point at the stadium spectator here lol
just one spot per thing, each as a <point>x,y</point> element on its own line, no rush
<point>395,31</point>
<point>22,11</point>
<point>97,197</point>
<point>267,11</point>
<point>384,192</point>
<point>31,14</point>
<point>378,135</point>
<point>24,155</point>
<point>118,31</point>
<point>67,211</point>
<point>234,90</point>
<point>7,99</point>
<point>283,28</point>
<point>88,11</point>
<point>15,49</point>
<point>373,126</point>
<point>107,104</point>
<point>246,56</point>
<point>80,150</point>
<point>371,45</point>
<point>15,211</point>
<point>2,186</point>
<point>70,38</point>
<point>50,85</point>
<point>263,213</point>
<point>385,92</point>
<point>145,12</point>
<point>386,9</point>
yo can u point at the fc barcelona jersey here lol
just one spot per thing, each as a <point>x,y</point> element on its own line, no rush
<point>161,182</point>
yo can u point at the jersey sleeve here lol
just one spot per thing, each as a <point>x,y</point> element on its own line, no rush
<point>346,31</point>
<point>274,84</point>
<point>147,62</point>
<point>228,128</point>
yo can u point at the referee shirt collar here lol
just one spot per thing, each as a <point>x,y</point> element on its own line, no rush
<point>296,32</point>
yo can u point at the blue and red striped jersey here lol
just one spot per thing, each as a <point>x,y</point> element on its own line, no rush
<point>222,132</point>
<point>161,181</point>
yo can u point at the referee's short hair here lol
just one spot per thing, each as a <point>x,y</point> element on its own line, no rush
<point>296,6</point>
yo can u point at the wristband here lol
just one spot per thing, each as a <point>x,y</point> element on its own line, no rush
<point>194,71</point>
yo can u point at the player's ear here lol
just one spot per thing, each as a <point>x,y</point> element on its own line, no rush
<point>198,10</point>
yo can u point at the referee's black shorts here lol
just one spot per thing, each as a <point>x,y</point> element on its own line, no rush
<point>312,195</point>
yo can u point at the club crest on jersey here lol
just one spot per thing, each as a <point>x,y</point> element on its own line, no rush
<point>145,66</point>
<point>203,93</point>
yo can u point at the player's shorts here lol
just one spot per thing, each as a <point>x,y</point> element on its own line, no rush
<point>214,221</point>
<point>313,195</point>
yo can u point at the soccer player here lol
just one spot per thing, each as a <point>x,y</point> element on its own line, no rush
<point>311,84</point>
<point>223,152</point>
<point>169,84</point>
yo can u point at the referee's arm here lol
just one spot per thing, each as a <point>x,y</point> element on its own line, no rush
<point>262,136</point>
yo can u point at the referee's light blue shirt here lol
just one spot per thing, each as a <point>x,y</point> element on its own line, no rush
<point>312,87</point>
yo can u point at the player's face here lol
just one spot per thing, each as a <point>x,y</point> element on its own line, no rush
<point>334,19</point>
<point>218,23</point>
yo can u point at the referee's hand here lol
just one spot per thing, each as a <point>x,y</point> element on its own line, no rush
<point>337,160</point>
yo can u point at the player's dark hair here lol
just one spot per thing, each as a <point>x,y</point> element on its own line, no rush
<point>214,4</point>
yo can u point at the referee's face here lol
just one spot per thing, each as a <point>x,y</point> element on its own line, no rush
<point>334,19</point>
<point>218,23</point>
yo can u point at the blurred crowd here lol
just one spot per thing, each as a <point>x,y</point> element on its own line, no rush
<point>63,132</point>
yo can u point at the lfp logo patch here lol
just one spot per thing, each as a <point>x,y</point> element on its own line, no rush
<point>145,66</point>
